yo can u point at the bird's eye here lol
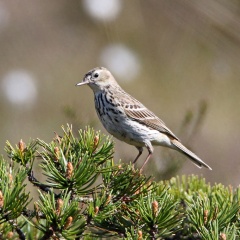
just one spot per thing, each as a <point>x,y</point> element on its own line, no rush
<point>96,75</point>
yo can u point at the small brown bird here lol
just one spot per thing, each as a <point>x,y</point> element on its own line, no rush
<point>129,120</point>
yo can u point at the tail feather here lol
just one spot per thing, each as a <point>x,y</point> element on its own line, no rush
<point>196,160</point>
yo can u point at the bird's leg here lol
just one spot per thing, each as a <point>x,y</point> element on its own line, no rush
<point>140,151</point>
<point>150,152</point>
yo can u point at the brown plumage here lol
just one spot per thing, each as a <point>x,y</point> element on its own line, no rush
<point>129,120</point>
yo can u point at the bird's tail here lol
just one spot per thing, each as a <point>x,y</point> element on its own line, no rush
<point>179,147</point>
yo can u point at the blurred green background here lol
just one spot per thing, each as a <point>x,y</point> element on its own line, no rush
<point>174,56</point>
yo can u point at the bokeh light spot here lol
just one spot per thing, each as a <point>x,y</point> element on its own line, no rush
<point>19,87</point>
<point>103,10</point>
<point>121,61</point>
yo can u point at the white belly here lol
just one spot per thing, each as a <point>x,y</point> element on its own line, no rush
<point>135,133</point>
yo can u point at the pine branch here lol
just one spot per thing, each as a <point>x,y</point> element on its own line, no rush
<point>87,195</point>
<point>36,183</point>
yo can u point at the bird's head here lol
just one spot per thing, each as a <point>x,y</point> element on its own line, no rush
<point>98,79</point>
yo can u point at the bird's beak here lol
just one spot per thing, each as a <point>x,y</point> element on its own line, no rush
<point>82,83</point>
<point>85,80</point>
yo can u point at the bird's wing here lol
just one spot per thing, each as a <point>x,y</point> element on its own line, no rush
<point>138,112</point>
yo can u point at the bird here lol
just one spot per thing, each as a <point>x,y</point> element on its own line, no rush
<point>129,120</point>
